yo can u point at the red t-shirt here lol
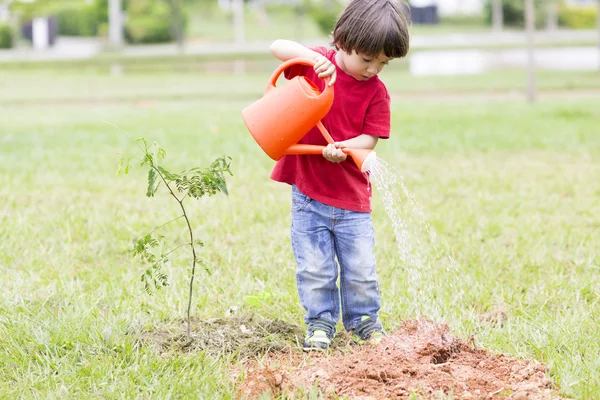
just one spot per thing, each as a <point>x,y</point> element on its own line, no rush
<point>358,107</point>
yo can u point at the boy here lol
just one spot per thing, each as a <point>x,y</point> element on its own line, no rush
<point>331,197</point>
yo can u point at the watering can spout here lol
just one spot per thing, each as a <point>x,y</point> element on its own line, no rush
<point>364,158</point>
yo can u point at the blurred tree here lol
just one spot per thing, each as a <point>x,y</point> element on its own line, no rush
<point>238,20</point>
<point>151,20</point>
<point>530,26</point>
<point>513,12</point>
<point>574,16</point>
<point>324,15</point>
<point>497,16</point>
<point>102,8</point>
<point>155,21</point>
<point>39,8</point>
<point>552,14</point>
<point>6,36</point>
<point>77,19</point>
<point>178,20</point>
<point>115,23</point>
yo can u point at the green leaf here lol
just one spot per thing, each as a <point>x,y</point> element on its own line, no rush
<point>141,246</point>
<point>148,160</point>
<point>152,184</point>
<point>153,277</point>
<point>222,186</point>
<point>142,140</point>
<point>169,176</point>
<point>197,182</point>
<point>120,165</point>
<point>127,165</point>
<point>204,266</point>
<point>161,153</point>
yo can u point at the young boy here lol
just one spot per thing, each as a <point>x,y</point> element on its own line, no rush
<point>331,197</point>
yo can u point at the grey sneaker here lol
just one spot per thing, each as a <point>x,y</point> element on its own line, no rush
<point>319,334</point>
<point>368,331</point>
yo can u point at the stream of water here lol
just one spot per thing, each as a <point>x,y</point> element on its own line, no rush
<point>420,251</point>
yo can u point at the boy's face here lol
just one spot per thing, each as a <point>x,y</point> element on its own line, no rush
<point>361,66</point>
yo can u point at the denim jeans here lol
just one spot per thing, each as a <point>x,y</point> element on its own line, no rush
<point>320,234</point>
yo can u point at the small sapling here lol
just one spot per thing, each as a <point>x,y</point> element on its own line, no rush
<point>195,183</point>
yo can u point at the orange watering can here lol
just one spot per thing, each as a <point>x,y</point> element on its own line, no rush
<point>285,114</point>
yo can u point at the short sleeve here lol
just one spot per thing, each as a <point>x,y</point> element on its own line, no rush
<point>300,70</point>
<point>378,115</point>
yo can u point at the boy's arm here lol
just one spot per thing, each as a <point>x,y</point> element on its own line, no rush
<point>287,49</point>
<point>362,141</point>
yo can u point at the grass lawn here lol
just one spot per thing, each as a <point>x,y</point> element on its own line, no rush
<point>195,79</point>
<point>511,189</point>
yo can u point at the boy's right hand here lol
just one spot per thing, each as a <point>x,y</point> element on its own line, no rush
<point>324,68</point>
<point>333,152</point>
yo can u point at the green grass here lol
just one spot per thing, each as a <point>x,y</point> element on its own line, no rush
<point>512,189</point>
<point>196,80</point>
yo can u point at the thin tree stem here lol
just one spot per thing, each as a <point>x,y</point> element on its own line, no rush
<point>194,259</point>
<point>189,333</point>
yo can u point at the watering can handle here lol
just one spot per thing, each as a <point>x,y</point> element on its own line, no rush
<point>325,133</point>
<point>304,61</point>
<point>285,65</point>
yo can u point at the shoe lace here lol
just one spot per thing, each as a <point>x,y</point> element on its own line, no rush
<point>366,328</point>
<point>322,325</point>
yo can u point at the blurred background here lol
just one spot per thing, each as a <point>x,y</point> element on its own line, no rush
<point>449,37</point>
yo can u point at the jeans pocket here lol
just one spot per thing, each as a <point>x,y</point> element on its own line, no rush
<point>299,200</point>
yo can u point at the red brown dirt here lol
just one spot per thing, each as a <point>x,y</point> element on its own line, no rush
<point>421,359</point>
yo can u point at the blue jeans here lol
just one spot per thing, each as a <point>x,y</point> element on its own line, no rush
<point>320,234</point>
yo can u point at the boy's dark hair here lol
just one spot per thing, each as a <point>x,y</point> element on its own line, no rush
<point>373,26</point>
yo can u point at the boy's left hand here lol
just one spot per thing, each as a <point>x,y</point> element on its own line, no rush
<point>332,152</point>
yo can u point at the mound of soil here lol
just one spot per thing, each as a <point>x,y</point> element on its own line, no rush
<point>420,358</point>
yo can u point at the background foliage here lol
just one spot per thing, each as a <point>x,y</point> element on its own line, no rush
<point>6,36</point>
<point>578,17</point>
<point>514,13</point>
<point>78,20</point>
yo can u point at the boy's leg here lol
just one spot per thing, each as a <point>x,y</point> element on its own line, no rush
<point>355,241</point>
<point>313,248</point>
